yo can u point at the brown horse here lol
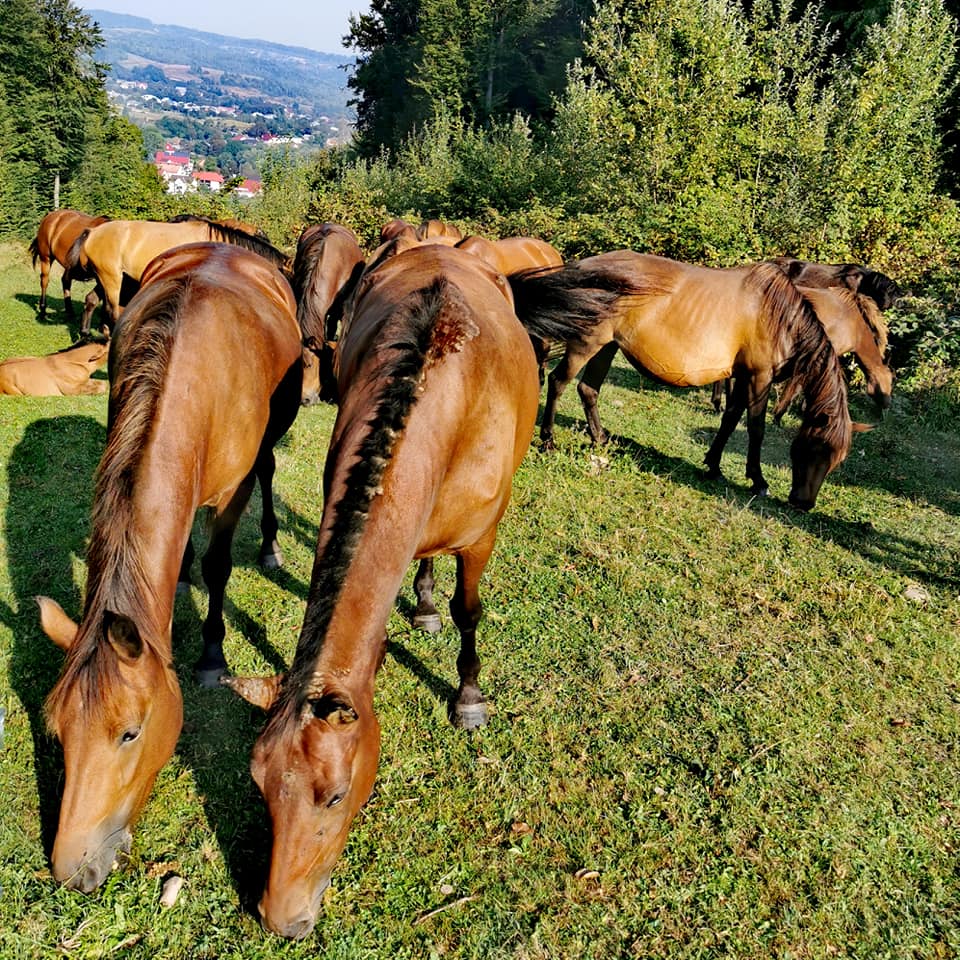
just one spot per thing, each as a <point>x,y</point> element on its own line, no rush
<point>854,325</point>
<point>847,299</point>
<point>327,265</point>
<point>65,373</point>
<point>688,325</point>
<point>205,377</point>
<point>438,399</point>
<point>120,250</point>
<point>510,255</point>
<point>55,236</point>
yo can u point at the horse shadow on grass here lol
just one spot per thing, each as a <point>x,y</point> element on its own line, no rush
<point>56,315</point>
<point>50,478</point>
<point>904,555</point>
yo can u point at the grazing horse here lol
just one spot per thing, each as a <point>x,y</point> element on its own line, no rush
<point>687,325</point>
<point>438,400</point>
<point>55,236</point>
<point>205,377</point>
<point>510,255</point>
<point>121,249</point>
<point>847,299</point>
<point>327,265</point>
<point>65,373</point>
<point>854,325</point>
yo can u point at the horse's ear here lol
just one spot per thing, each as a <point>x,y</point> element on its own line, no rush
<point>123,635</point>
<point>260,691</point>
<point>55,623</point>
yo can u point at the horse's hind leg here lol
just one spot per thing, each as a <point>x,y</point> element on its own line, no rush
<point>470,707</point>
<point>271,556</point>
<point>568,367</point>
<point>183,578</point>
<point>736,404</point>
<point>426,616</point>
<point>216,566</point>
<point>594,373</point>
<point>44,280</point>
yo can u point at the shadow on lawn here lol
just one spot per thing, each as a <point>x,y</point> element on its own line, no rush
<point>50,478</point>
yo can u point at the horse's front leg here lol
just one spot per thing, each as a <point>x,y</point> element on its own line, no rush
<point>66,282</point>
<point>271,556</point>
<point>470,707</point>
<point>758,392</point>
<point>216,566</point>
<point>736,404</point>
<point>89,305</point>
<point>426,616</point>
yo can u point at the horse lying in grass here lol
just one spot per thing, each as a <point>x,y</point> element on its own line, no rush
<point>66,373</point>
<point>56,234</point>
<point>687,325</point>
<point>438,399</point>
<point>205,378</point>
<point>119,250</point>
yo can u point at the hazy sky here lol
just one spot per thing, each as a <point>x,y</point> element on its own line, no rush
<point>315,24</point>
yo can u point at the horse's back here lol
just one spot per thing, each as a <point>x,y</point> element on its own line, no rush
<point>686,325</point>
<point>232,340</point>
<point>474,417</point>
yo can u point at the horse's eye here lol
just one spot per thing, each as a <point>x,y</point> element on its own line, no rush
<point>130,735</point>
<point>335,799</point>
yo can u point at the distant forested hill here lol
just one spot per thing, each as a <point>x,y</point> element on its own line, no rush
<point>315,82</point>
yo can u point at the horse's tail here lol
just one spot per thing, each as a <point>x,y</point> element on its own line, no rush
<point>71,263</point>
<point>563,303</point>
<point>35,250</point>
<point>240,238</point>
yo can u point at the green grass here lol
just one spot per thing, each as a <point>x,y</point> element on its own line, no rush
<point>720,728</point>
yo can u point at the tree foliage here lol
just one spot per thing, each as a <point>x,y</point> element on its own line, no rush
<point>55,119</point>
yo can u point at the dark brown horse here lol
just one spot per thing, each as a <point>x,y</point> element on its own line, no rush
<point>883,291</point>
<point>119,251</point>
<point>438,399</point>
<point>327,265</point>
<point>55,236</point>
<point>205,377</point>
<point>687,325</point>
<point>847,299</point>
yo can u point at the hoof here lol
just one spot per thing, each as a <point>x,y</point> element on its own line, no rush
<point>428,622</point>
<point>714,473</point>
<point>271,561</point>
<point>469,716</point>
<point>209,677</point>
<point>763,491</point>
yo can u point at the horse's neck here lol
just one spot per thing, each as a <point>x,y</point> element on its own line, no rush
<point>368,589</point>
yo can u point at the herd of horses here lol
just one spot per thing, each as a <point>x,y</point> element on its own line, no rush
<point>432,347</point>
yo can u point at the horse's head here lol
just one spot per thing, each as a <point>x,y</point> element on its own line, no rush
<point>315,767</point>
<point>117,710</point>
<point>879,385</point>
<point>319,372</point>
<point>821,445</point>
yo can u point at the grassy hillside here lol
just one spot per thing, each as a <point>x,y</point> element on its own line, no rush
<point>720,728</point>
